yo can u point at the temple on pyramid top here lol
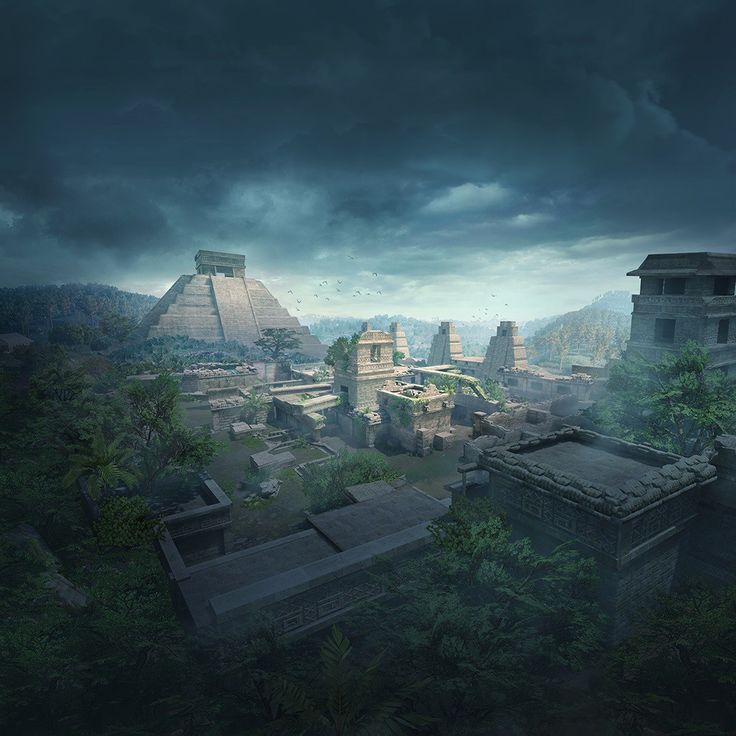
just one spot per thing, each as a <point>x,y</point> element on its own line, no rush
<point>218,304</point>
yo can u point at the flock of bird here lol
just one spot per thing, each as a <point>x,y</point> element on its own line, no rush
<point>324,287</point>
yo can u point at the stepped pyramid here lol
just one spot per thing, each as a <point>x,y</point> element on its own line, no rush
<point>505,350</point>
<point>399,337</point>
<point>219,303</point>
<point>446,346</point>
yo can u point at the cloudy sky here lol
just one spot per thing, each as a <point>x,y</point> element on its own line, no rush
<point>532,150</point>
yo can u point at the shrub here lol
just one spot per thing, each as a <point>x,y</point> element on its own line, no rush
<point>127,522</point>
<point>325,483</point>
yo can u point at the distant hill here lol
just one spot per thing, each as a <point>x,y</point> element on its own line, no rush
<point>476,334</point>
<point>594,333</point>
<point>35,310</point>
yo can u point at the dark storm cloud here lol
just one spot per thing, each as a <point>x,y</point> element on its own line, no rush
<point>151,128</point>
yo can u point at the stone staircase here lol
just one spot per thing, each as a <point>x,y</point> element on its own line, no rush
<point>193,313</point>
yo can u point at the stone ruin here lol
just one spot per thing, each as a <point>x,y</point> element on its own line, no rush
<point>446,346</point>
<point>401,344</point>
<point>646,516</point>
<point>505,350</point>
<point>219,304</point>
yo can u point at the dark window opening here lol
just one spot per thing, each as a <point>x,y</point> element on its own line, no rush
<point>512,381</point>
<point>723,285</point>
<point>674,286</point>
<point>723,330</point>
<point>664,330</point>
<point>503,333</point>
<point>375,353</point>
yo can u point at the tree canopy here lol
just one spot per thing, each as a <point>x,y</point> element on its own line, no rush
<point>678,403</point>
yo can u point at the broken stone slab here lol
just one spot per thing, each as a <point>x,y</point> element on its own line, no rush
<point>265,460</point>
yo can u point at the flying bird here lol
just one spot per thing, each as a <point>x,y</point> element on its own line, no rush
<point>338,290</point>
<point>290,292</point>
<point>379,292</point>
<point>338,281</point>
<point>298,310</point>
<point>356,292</point>
<point>352,258</point>
<point>298,301</point>
<point>316,296</point>
<point>327,298</point>
<point>323,283</point>
<point>375,274</point>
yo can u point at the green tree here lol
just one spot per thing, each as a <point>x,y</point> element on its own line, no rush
<point>161,442</point>
<point>276,342</point>
<point>678,403</point>
<point>398,356</point>
<point>102,465</point>
<point>348,700</point>
<point>254,405</point>
<point>338,354</point>
<point>492,623</point>
<point>677,673</point>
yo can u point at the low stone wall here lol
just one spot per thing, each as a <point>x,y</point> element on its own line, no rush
<point>202,532</point>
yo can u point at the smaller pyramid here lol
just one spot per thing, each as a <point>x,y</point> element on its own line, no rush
<point>446,346</point>
<point>401,344</point>
<point>505,350</point>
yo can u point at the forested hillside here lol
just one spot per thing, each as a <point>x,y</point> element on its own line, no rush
<point>590,333</point>
<point>34,311</point>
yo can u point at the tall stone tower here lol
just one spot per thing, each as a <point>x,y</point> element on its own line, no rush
<point>505,350</point>
<point>369,366</point>
<point>446,346</point>
<point>219,303</point>
<point>401,344</point>
<point>686,296</point>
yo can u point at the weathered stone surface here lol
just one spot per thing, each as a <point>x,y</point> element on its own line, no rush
<point>219,305</point>
<point>267,461</point>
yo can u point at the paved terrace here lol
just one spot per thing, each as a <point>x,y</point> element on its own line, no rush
<point>342,542</point>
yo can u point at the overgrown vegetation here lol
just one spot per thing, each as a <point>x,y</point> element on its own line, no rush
<point>480,635</point>
<point>599,334</point>
<point>325,483</point>
<point>678,404</point>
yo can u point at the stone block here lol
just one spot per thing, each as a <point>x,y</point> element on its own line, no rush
<point>442,440</point>
<point>268,461</point>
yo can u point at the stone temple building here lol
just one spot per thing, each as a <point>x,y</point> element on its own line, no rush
<point>446,346</point>
<point>401,344</point>
<point>647,517</point>
<point>686,296</point>
<point>219,303</point>
<point>368,367</point>
<point>505,350</point>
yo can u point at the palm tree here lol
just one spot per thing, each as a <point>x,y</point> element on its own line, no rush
<point>348,705</point>
<point>102,464</point>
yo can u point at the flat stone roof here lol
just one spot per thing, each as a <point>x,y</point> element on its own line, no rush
<point>366,491</point>
<point>593,463</point>
<point>359,523</point>
<point>603,474</point>
<point>237,569</point>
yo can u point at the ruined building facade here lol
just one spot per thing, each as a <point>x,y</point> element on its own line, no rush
<point>686,296</point>
<point>219,303</point>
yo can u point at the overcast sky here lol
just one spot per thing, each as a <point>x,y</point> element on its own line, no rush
<point>532,150</point>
